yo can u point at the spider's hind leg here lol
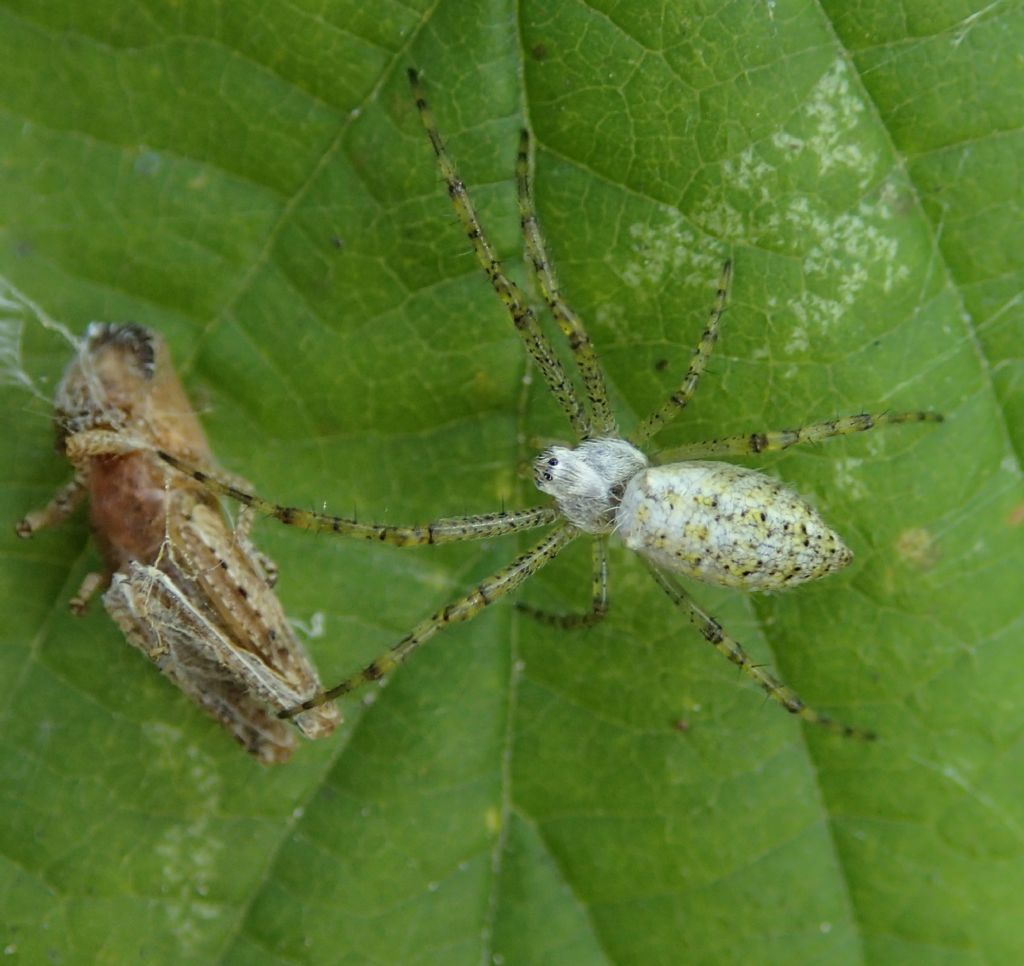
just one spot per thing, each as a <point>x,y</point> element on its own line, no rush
<point>598,599</point>
<point>713,633</point>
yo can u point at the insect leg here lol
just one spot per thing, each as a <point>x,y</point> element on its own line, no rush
<point>60,507</point>
<point>92,584</point>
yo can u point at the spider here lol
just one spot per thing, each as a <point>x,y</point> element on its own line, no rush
<point>715,522</point>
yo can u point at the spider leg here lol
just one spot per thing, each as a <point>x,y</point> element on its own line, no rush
<point>713,633</point>
<point>568,321</point>
<point>598,601</point>
<point>675,403</point>
<point>449,530</point>
<point>784,438</point>
<point>466,607</point>
<point>537,343</point>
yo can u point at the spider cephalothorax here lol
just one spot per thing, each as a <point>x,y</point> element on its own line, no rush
<point>588,480</point>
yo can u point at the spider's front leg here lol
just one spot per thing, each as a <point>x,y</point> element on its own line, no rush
<point>448,530</point>
<point>678,401</point>
<point>713,633</point>
<point>537,343</point>
<point>568,321</point>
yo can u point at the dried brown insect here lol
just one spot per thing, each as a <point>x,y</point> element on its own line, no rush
<point>187,589</point>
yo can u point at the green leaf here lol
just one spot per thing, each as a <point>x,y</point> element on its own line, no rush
<point>251,180</point>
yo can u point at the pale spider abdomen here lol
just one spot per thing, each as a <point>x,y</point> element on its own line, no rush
<point>727,525</point>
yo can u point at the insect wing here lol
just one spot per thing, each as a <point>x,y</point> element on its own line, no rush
<point>160,620</point>
<point>262,651</point>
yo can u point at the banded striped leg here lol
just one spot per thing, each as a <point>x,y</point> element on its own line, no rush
<point>675,403</point>
<point>784,438</point>
<point>451,530</point>
<point>713,633</point>
<point>488,591</point>
<point>598,599</point>
<point>537,343</point>
<point>568,321</point>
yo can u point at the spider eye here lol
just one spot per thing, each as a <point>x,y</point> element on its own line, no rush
<point>552,462</point>
<point>548,477</point>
